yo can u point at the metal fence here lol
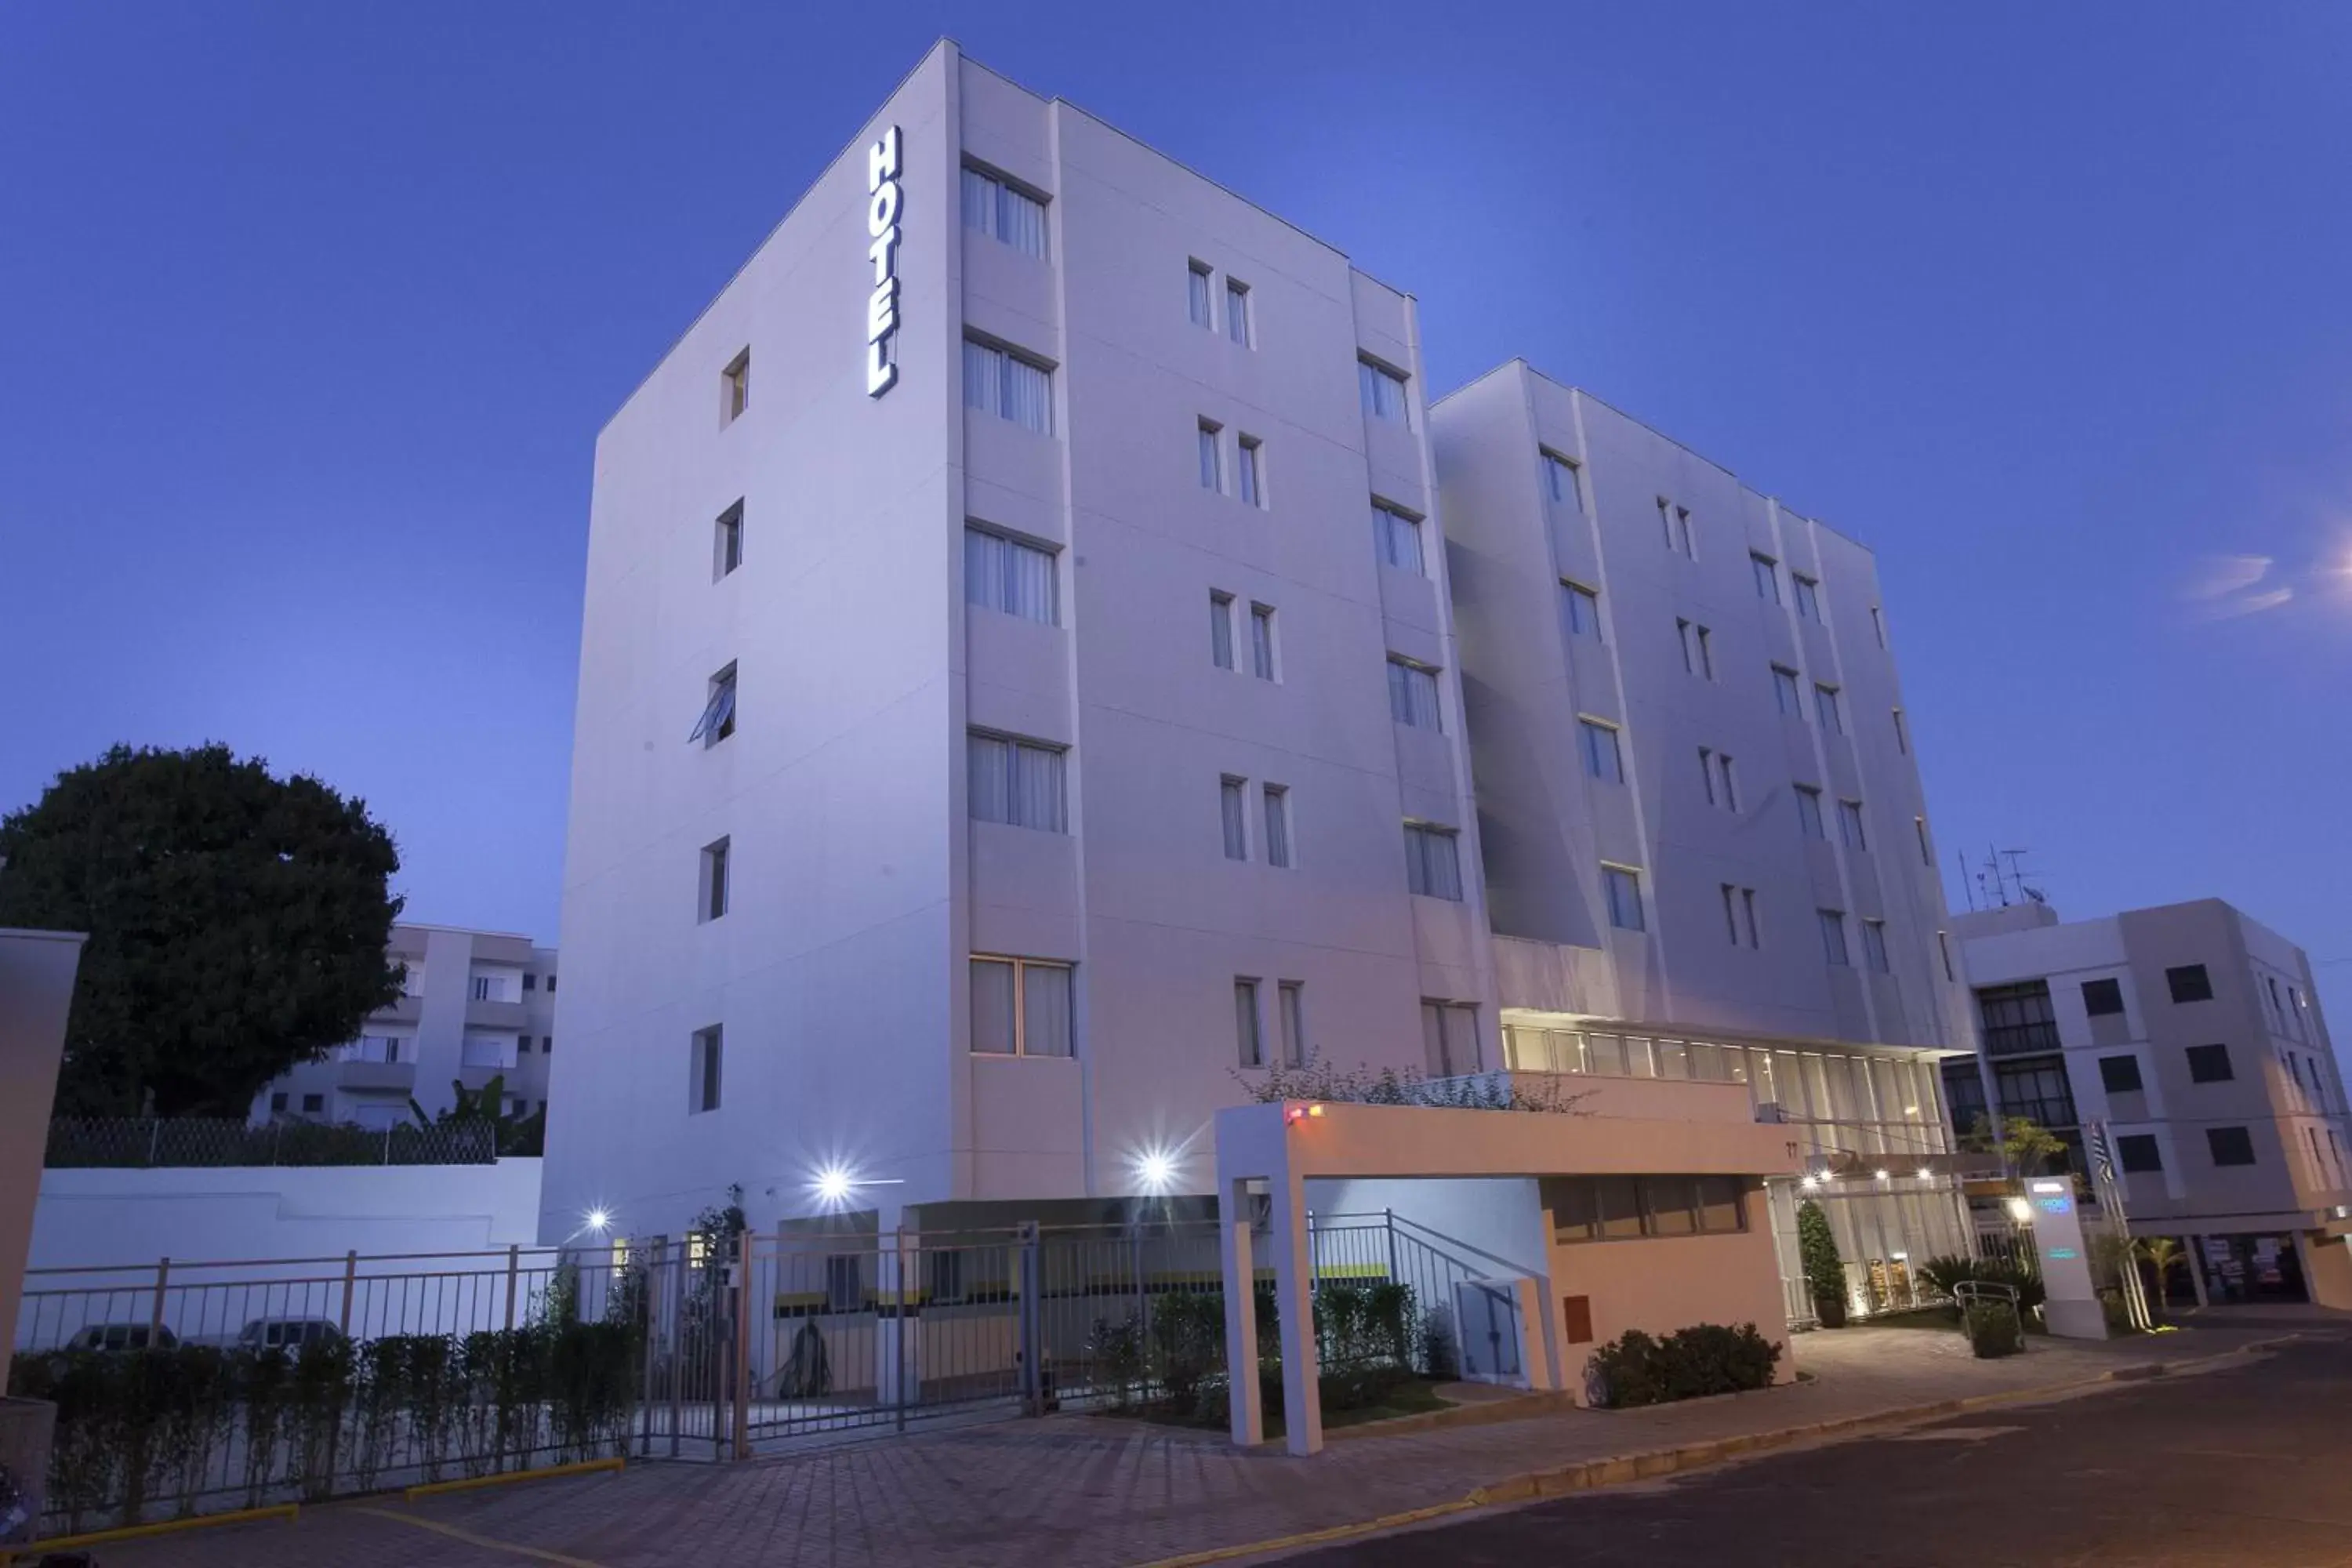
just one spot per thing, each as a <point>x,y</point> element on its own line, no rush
<point>141,1143</point>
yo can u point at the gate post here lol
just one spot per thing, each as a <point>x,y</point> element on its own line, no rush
<point>1032,1335</point>
<point>743,1345</point>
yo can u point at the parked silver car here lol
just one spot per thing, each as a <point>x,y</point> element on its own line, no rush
<point>287,1334</point>
<point>123,1337</point>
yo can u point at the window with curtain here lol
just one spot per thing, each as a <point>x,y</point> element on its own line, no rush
<point>1383,393</point>
<point>1238,312</point>
<point>1850,828</point>
<point>726,549</point>
<point>1449,1032</point>
<point>1197,295</point>
<point>1021,1007</point>
<point>1291,997</point>
<point>1412,694</point>
<point>1624,887</point>
<point>1245,1023</point>
<point>717,721</point>
<point>1560,480</point>
<point>1825,704</point>
<point>1807,597</point>
<point>1277,825</point>
<point>1017,782</point>
<point>709,1045</point>
<point>1873,945</point>
<point>1785,694</point>
<point>1432,859</point>
<point>1262,641</point>
<point>1221,629</point>
<point>1833,937</point>
<point>1396,539</point>
<point>1250,453</point>
<point>1808,812</point>
<point>1002,574</point>
<point>1009,385</point>
<point>1003,212</point>
<point>1603,759</point>
<point>1232,811</point>
<point>1579,610</point>
<point>1213,464</point>
<point>1767,573</point>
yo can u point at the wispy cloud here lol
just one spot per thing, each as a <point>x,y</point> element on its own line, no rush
<point>2227,586</point>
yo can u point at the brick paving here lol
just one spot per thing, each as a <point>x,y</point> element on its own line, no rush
<point>1085,1490</point>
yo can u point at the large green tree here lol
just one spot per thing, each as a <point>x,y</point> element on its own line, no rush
<point>238,924</point>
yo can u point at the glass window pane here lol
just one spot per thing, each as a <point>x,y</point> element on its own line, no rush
<point>1672,1204</point>
<point>989,774</point>
<point>1045,1010</point>
<point>1720,1205</point>
<point>992,1006</point>
<point>1621,1207</point>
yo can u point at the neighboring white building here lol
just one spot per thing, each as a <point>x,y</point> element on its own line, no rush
<point>2194,1033</point>
<point>474,1005</point>
<point>1708,850</point>
<point>997,732</point>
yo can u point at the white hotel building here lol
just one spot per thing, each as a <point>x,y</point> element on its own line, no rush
<point>1021,694</point>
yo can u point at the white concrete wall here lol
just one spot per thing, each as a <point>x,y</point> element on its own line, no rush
<point>36,982</point>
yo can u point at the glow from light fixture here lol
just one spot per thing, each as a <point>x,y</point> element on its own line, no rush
<point>1810,1181</point>
<point>1925,1175</point>
<point>2018,1209</point>
<point>1155,1170</point>
<point>1881,1175</point>
<point>833,1185</point>
<point>599,1221</point>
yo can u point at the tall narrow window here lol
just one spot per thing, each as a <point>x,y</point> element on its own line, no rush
<point>1878,625</point>
<point>1197,295</point>
<point>1021,1006</point>
<point>1238,312</point>
<point>1291,995</point>
<point>996,208</point>
<point>1262,641</point>
<point>1808,812</point>
<point>1213,458</point>
<point>1603,758</point>
<point>1849,825</point>
<point>1560,480</point>
<point>1833,937</point>
<point>1683,532</point>
<point>1250,456</point>
<point>727,547</point>
<point>1624,887</point>
<point>1919,825</point>
<point>1449,1033</point>
<point>1021,784</point>
<point>1412,693</point>
<point>1277,825</point>
<point>1902,733</point>
<point>713,900</point>
<point>1579,610</point>
<point>1008,385</point>
<point>1001,573</point>
<point>1728,778</point>
<point>1785,693</point>
<point>1221,629</point>
<point>1383,393</point>
<point>1807,597</point>
<point>1698,649</point>
<point>1831,711</point>
<point>735,388</point>
<point>1245,1023</point>
<point>1943,950</point>
<point>1396,539</point>
<point>1433,861</point>
<point>708,1045</point>
<point>1873,945</point>
<point>717,721</point>
<point>1740,915</point>
<point>1232,811</point>
<point>1767,573</point>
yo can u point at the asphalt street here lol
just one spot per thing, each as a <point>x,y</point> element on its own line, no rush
<point>2249,1465</point>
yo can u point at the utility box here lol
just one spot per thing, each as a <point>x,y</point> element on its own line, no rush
<point>27,1427</point>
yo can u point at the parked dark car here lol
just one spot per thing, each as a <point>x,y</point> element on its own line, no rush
<point>288,1334</point>
<point>123,1337</point>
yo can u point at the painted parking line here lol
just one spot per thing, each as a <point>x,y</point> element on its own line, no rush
<point>472,1539</point>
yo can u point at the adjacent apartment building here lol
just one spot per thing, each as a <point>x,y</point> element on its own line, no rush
<point>474,1005</point>
<point>2194,1033</point>
<point>1020,702</point>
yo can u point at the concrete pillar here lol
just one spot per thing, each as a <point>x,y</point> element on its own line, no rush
<point>37,982</point>
<point>898,1338</point>
<point>1302,1387</point>
<point>1241,1314</point>
<point>2196,1246</point>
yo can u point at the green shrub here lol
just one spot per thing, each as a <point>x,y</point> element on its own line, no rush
<point>1116,1351</point>
<point>1689,1364</point>
<point>1817,1252</point>
<point>1188,1342</point>
<point>1993,1331</point>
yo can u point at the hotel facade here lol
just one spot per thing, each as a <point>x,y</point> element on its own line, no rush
<point>1039,643</point>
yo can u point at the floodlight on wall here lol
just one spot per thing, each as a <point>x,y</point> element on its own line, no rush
<point>1155,1170</point>
<point>1881,1175</point>
<point>599,1221</point>
<point>833,1185</point>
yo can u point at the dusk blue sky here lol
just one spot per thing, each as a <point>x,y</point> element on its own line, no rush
<point>310,314</point>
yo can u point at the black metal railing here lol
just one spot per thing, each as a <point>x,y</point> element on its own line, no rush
<point>144,1142</point>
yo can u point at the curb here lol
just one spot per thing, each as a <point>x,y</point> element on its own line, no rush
<point>507,1477</point>
<point>1617,1469</point>
<point>8,1554</point>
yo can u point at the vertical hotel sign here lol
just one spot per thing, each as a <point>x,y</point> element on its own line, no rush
<point>882,204</point>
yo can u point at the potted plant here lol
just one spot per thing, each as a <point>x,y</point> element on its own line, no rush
<point>1817,1252</point>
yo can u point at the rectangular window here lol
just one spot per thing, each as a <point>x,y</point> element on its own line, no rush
<point>1602,757</point>
<point>735,388</point>
<point>1412,694</point>
<point>1197,295</point>
<point>1785,693</point>
<point>1221,629</point>
<point>2018,1020</point>
<point>2119,1075</point>
<point>1433,861</point>
<point>1808,812</point>
<point>485,989</point>
<point>1252,471</point>
<point>1833,937</point>
<point>312,1104</point>
<point>1396,539</point>
<point>995,208</point>
<point>1630,1208</point>
<point>727,546</point>
<point>1001,573</point>
<point>1767,573</point>
<point>1727,780</point>
<point>1560,480</point>
<point>1919,827</point>
<point>1707,773</point>
<point>1021,784</point>
<point>2102,997</point>
<point>1579,610</point>
<point>486,1051</point>
<point>1020,1007</point>
<point>1850,825</point>
<point>1807,597</point>
<point>1740,915</point>
<point>1238,312</point>
<point>1673,522</point>
<point>1825,704</point>
<point>717,721</point>
<point>1449,1035</point>
<point>2137,1153</point>
<point>713,902</point>
<point>1902,733</point>
<point>1698,649</point>
<point>278,1102</point>
<point>1008,385</point>
<point>2231,1145</point>
<point>1213,458</point>
<point>1943,949</point>
<point>1383,393</point>
<point>1624,887</point>
<point>2210,1064</point>
<point>1277,825</point>
<point>1232,811</point>
<point>2189,983</point>
<point>1291,1000</point>
<point>704,1071</point>
<point>1873,945</point>
<point>1245,1023</point>
<point>1262,641</point>
<point>1877,625</point>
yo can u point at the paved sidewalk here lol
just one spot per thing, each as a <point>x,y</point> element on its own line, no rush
<point>1080,1489</point>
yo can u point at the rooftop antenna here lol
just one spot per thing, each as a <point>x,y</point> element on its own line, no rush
<point>2017,874</point>
<point>1966,891</point>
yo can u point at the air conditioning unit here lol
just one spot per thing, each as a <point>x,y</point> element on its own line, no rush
<point>1487,1323</point>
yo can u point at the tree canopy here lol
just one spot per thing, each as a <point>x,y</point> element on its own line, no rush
<point>238,924</point>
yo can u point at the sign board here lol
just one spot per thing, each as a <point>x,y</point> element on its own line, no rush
<point>2070,1302</point>
<point>884,199</point>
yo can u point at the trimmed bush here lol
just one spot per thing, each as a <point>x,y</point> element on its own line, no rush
<point>1689,1364</point>
<point>1817,1252</point>
<point>1993,1332</point>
